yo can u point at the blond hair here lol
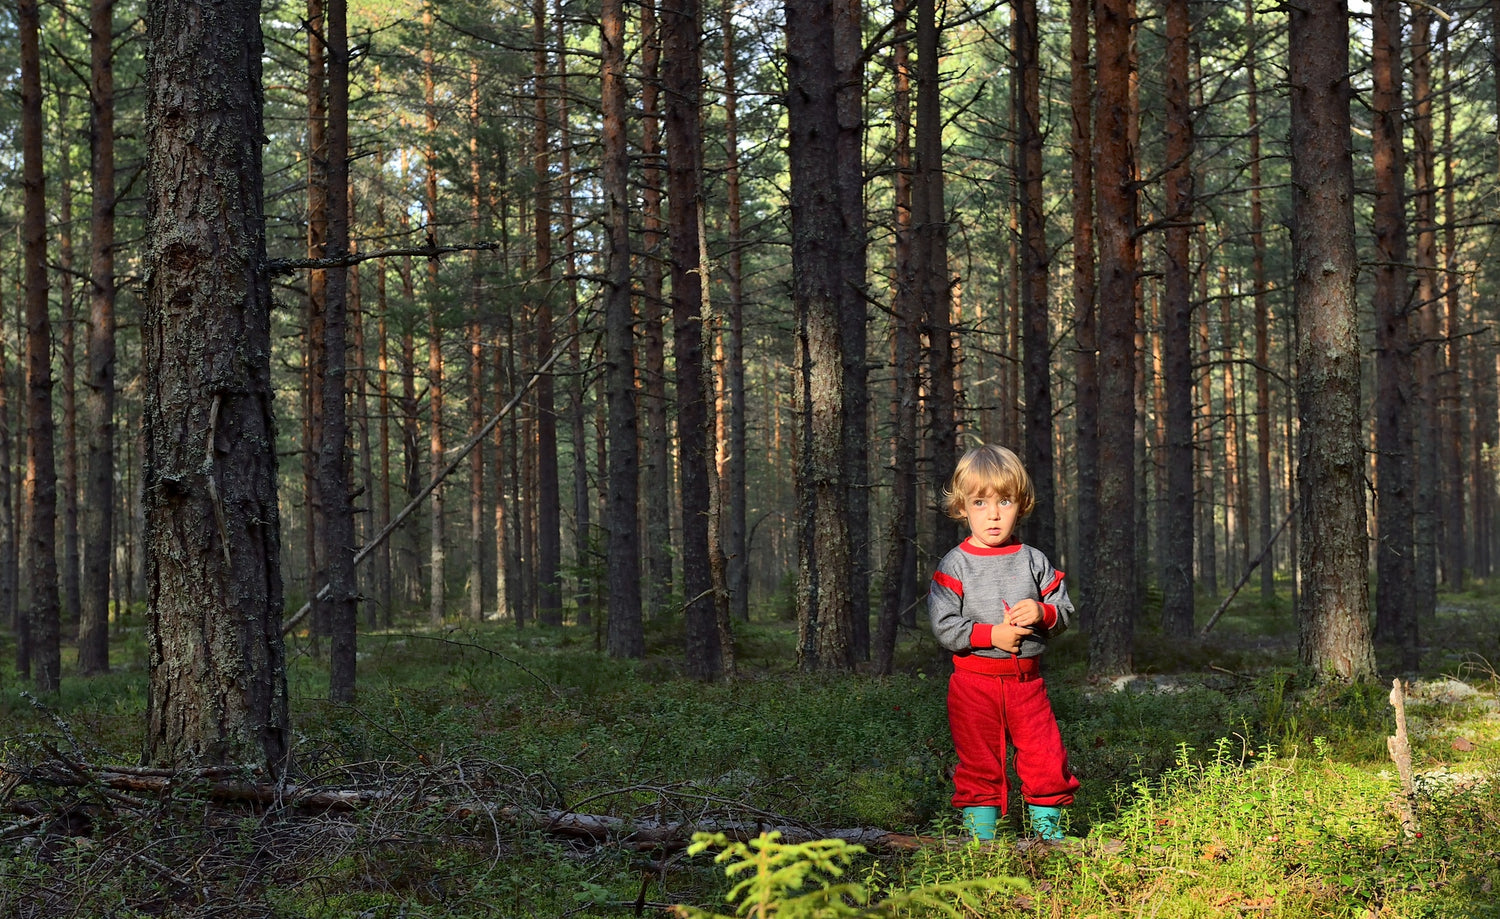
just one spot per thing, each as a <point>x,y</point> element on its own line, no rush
<point>988,469</point>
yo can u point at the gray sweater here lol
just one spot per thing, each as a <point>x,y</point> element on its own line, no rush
<point>973,585</point>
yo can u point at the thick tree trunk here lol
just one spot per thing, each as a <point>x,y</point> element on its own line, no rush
<point>1430,358</point>
<point>217,690</point>
<point>626,633</point>
<point>1177,347</point>
<point>99,396</point>
<point>40,504</point>
<point>1394,472</point>
<point>1085,363</point>
<point>824,566</point>
<point>681,83</point>
<point>342,603</point>
<point>317,306</point>
<point>1041,528</point>
<point>1112,627</point>
<point>1334,641</point>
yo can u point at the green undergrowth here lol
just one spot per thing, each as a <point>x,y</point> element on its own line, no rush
<point>1214,784</point>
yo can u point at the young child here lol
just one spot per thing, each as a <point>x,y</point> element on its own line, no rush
<point>994,602</point>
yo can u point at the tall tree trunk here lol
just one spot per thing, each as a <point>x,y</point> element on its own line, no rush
<point>1457,540</point>
<point>899,573</point>
<point>1085,363</point>
<point>1394,473</point>
<point>850,295</point>
<point>734,448</point>
<point>68,352</point>
<point>626,631</point>
<point>477,543</point>
<point>1262,311</point>
<point>1334,641</point>
<point>40,506</point>
<point>99,396</point>
<point>384,593</point>
<point>548,495</point>
<point>317,305</point>
<point>437,592</point>
<point>1177,347</point>
<point>342,604</point>
<point>10,569</point>
<point>656,480</point>
<point>217,692</point>
<point>1035,265</point>
<point>1429,355</point>
<point>824,566</point>
<point>1207,463</point>
<point>1112,628</point>
<point>932,284</point>
<point>681,83</point>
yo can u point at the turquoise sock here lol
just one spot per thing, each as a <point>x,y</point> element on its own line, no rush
<point>980,821</point>
<point>1044,821</point>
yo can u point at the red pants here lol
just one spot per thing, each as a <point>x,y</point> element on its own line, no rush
<point>984,710</point>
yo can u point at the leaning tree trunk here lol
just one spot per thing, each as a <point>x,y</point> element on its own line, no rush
<point>1177,348</point>
<point>217,691</point>
<point>626,631</point>
<point>1334,633</point>
<point>1394,474</point>
<point>99,395</point>
<point>1112,627</point>
<point>40,504</point>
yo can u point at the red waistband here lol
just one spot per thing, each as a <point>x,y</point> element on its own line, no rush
<point>1016,668</point>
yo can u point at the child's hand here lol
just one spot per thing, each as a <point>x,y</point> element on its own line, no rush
<point>1026,612</point>
<point>1008,637</point>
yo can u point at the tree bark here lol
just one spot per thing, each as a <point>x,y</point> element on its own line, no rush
<point>317,306</point>
<point>1334,641</point>
<point>40,504</point>
<point>824,567</point>
<point>734,447</point>
<point>1041,527</point>
<point>342,603</point>
<point>437,575</point>
<point>626,636</point>
<point>478,545</point>
<point>681,83</point>
<point>217,692</point>
<point>1262,310</point>
<point>1430,357</point>
<point>1394,473</point>
<point>99,395</point>
<point>1085,363</point>
<point>548,494</point>
<point>1177,321</point>
<point>1112,628</point>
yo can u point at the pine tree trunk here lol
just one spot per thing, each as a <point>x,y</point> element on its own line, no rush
<point>342,604</point>
<point>1430,355</point>
<point>437,575</point>
<point>67,348</point>
<point>40,504</point>
<point>734,449</point>
<point>317,306</point>
<point>99,396</point>
<point>626,632</point>
<point>1457,539</point>
<point>1334,641</point>
<point>1394,473</point>
<point>1112,627</point>
<point>1177,324</point>
<point>478,546</point>
<point>681,83</point>
<point>217,691</point>
<point>10,569</point>
<point>1262,312</point>
<point>548,495</point>
<point>1085,362</point>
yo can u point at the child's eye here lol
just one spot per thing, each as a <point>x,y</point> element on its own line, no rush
<point>1005,502</point>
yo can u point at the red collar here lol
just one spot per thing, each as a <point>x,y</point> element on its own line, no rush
<point>1010,546</point>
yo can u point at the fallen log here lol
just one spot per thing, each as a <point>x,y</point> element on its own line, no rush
<point>218,787</point>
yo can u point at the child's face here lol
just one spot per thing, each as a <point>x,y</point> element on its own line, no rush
<point>992,518</point>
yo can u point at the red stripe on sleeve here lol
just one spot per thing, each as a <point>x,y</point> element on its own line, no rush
<point>1049,615</point>
<point>1056,580</point>
<point>982,636</point>
<point>949,581</point>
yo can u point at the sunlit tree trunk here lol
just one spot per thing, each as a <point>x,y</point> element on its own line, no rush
<point>217,693</point>
<point>1112,626</point>
<point>1334,641</point>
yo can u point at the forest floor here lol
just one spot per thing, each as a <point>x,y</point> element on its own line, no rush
<point>487,771</point>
